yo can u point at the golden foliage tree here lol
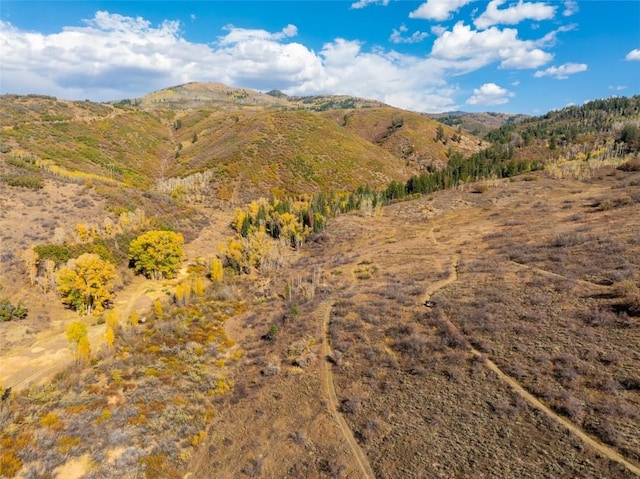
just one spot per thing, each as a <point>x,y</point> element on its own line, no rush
<point>198,286</point>
<point>157,308</point>
<point>179,294</point>
<point>84,349</point>
<point>157,254</point>
<point>75,332</point>
<point>216,270</point>
<point>112,319</point>
<point>186,288</point>
<point>86,283</point>
<point>110,337</point>
<point>112,322</point>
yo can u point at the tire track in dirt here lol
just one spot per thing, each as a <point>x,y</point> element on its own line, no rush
<point>537,404</point>
<point>551,274</point>
<point>517,388</point>
<point>327,381</point>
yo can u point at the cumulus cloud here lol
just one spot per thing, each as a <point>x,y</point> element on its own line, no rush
<point>438,10</point>
<point>633,55</point>
<point>563,71</point>
<point>475,49</point>
<point>401,80</point>
<point>570,8</point>
<point>365,3</point>
<point>398,35</point>
<point>113,57</point>
<point>490,94</point>
<point>513,14</point>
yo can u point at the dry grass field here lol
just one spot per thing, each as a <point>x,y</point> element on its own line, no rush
<point>537,279</point>
<point>524,364</point>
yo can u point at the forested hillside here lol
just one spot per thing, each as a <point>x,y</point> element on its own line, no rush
<point>611,124</point>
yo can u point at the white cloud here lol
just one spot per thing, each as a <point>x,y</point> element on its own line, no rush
<point>633,55</point>
<point>515,83</point>
<point>438,10</point>
<point>193,16</point>
<point>365,3</point>
<point>617,87</point>
<point>490,94</point>
<point>237,35</point>
<point>551,38</point>
<point>570,8</point>
<point>479,48</point>
<point>397,36</point>
<point>563,71</point>
<point>513,14</point>
<point>401,80</point>
<point>114,57</point>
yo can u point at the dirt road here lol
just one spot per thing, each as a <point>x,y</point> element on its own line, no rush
<point>327,381</point>
<point>601,448</point>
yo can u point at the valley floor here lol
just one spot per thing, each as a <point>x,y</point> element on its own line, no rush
<point>508,374</point>
<point>465,334</point>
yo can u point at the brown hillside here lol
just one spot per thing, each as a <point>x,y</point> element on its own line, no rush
<point>248,143</point>
<point>404,134</point>
<point>288,151</point>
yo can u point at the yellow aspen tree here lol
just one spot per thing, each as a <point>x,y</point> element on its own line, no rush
<point>83,232</point>
<point>112,320</point>
<point>198,287</point>
<point>238,219</point>
<point>110,337</point>
<point>186,287</point>
<point>157,254</point>
<point>109,227</point>
<point>84,349</point>
<point>85,283</point>
<point>179,294</point>
<point>216,271</point>
<point>75,332</point>
<point>157,308</point>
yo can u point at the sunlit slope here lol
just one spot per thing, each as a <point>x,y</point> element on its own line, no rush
<point>294,151</point>
<point>406,135</point>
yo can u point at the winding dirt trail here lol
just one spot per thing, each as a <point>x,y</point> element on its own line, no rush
<point>327,381</point>
<point>39,362</point>
<point>600,447</point>
<point>533,401</point>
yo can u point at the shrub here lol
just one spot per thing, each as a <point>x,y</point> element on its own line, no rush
<point>9,464</point>
<point>9,312</point>
<point>25,181</point>
<point>630,165</point>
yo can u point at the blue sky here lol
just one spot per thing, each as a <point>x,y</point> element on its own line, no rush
<point>430,56</point>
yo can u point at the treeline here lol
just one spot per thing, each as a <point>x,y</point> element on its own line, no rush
<point>290,221</point>
<point>493,162</point>
<point>571,124</point>
<point>293,219</point>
